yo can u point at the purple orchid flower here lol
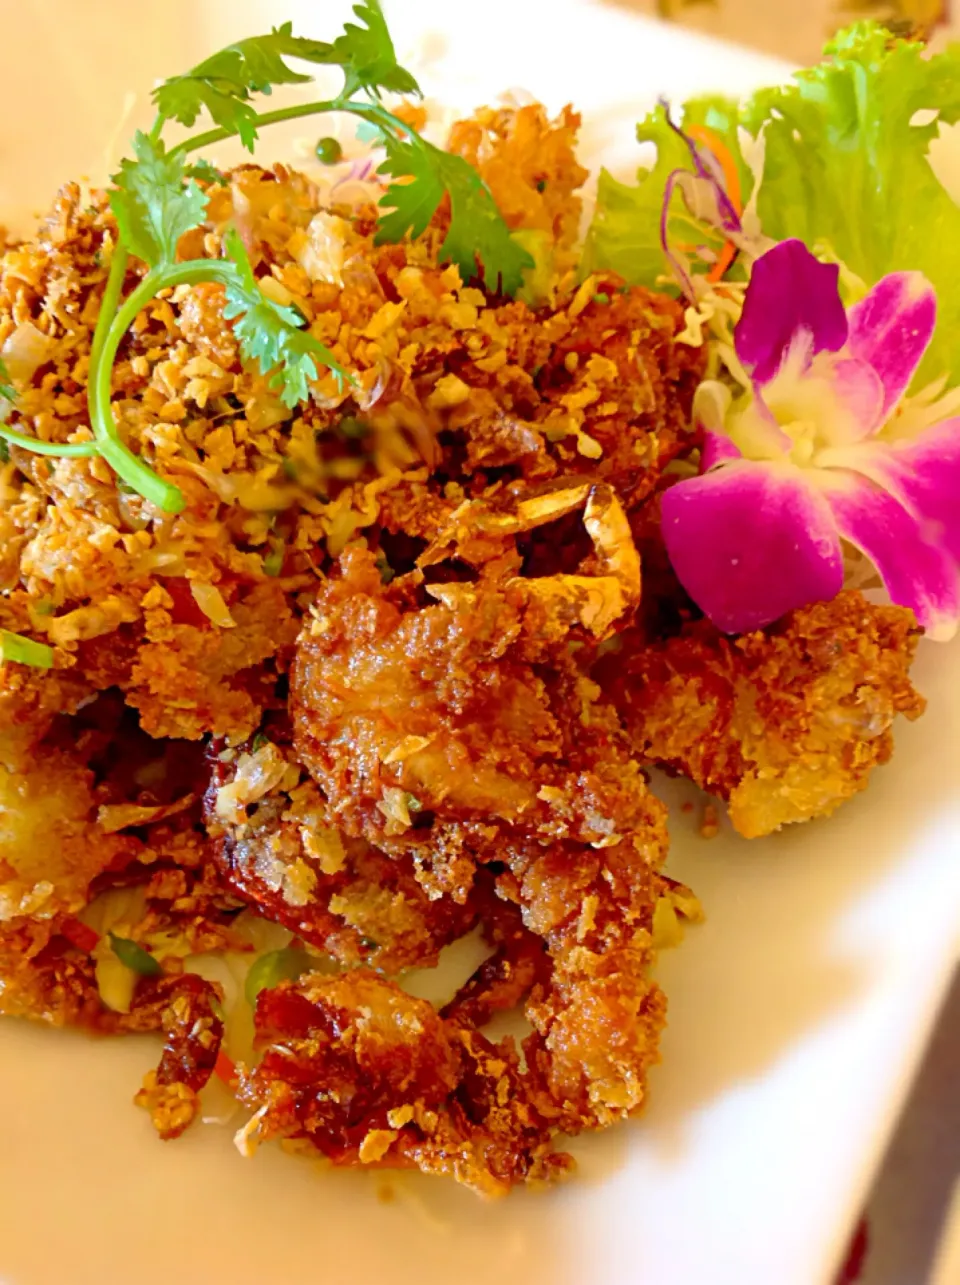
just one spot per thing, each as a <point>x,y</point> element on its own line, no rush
<point>816,452</point>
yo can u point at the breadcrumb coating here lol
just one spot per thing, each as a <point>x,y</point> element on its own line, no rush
<point>393,676</point>
<point>785,723</point>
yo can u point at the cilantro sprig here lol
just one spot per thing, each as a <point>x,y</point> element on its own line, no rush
<point>156,198</point>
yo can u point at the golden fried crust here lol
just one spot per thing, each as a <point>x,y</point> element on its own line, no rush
<point>372,1076</point>
<point>530,166</point>
<point>30,701</point>
<point>281,851</point>
<point>784,723</point>
<point>51,847</point>
<point>447,731</point>
<point>596,1034</point>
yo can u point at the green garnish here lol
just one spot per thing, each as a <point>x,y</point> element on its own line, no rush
<point>8,394</point>
<point>387,572</point>
<point>133,955</point>
<point>4,452</point>
<point>207,173</point>
<point>352,427</point>
<point>274,967</point>
<point>541,185</point>
<point>258,742</point>
<point>156,199</point>
<point>24,651</point>
<point>413,803</point>
<point>273,562</point>
<point>601,297</point>
<point>328,151</point>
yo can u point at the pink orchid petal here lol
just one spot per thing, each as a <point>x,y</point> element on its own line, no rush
<point>917,573</point>
<point>751,541</point>
<point>790,292</point>
<point>717,449</point>
<point>924,475</point>
<point>891,327</point>
<point>861,393</point>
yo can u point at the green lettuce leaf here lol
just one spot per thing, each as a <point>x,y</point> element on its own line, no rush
<point>846,169</point>
<point>624,234</point>
<point>847,166</point>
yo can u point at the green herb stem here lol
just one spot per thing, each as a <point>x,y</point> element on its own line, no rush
<point>121,459</point>
<point>37,447</point>
<point>372,112</point>
<point>211,136</point>
<point>111,298</point>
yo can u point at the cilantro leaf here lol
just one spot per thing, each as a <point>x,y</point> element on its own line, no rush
<point>223,84</point>
<point>271,334</point>
<point>477,230</point>
<point>847,169</point>
<point>203,170</point>
<point>367,56</point>
<point>154,203</point>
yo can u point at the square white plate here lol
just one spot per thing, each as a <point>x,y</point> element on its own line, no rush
<point>797,1013</point>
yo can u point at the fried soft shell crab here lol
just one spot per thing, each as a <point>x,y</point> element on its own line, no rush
<point>393,673</point>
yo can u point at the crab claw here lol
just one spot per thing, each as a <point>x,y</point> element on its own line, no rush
<point>561,602</point>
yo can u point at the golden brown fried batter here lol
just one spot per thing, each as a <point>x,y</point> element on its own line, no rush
<point>352,685</point>
<point>371,1075</point>
<point>51,847</point>
<point>784,723</point>
<point>185,1009</point>
<point>531,168</point>
<point>280,849</point>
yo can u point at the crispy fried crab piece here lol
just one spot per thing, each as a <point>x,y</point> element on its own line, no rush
<point>463,732</point>
<point>432,725</point>
<point>373,1076</point>
<point>279,848</point>
<point>785,723</point>
<point>51,846</point>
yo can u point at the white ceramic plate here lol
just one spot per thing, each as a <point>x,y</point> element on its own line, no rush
<point>797,1013</point>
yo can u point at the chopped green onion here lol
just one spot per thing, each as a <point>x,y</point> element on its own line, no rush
<point>350,426</point>
<point>328,151</point>
<point>383,566</point>
<point>259,741</point>
<point>413,803</point>
<point>274,967</point>
<point>273,562</point>
<point>24,651</point>
<point>541,185</point>
<point>601,297</point>
<point>4,452</point>
<point>133,955</point>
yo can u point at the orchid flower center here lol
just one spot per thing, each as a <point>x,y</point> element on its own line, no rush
<point>799,413</point>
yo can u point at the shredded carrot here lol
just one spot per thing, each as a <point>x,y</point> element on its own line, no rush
<point>732,176</point>
<point>225,1069</point>
<point>79,934</point>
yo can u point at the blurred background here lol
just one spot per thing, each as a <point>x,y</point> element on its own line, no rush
<point>795,31</point>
